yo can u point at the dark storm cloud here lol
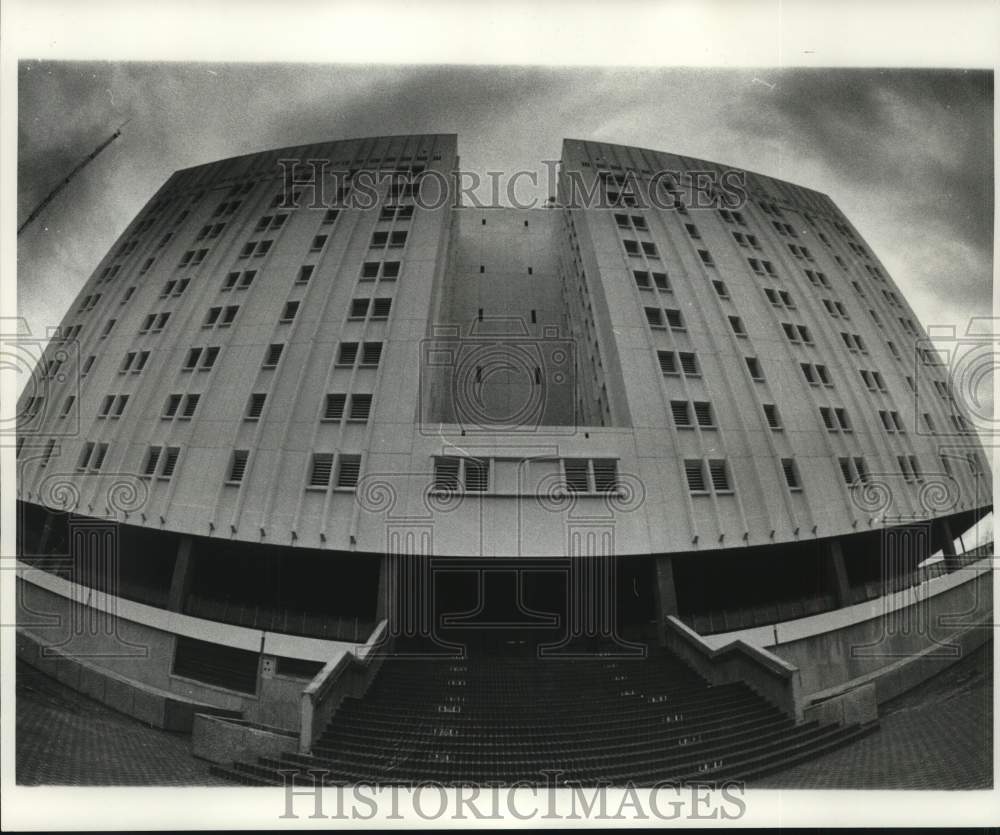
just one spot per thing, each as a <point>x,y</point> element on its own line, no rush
<point>916,146</point>
<point>907,155</point>
<point>882,127</point>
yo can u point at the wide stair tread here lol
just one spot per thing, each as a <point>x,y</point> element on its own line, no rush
<point>599,720</point>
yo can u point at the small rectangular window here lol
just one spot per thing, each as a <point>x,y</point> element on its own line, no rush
<point>689,364</point>
<point>171,406</point>
<point>753,366</point>
<point>99,454</point>
<point>577,478</point>
<point>170,461</point>
<point>85,453</point>
<point>605,474</point>
<point>371,353</point>
<point>446,473</point>
<point>348,470</point>
<point>321,469</point>
<point>791,473</point>
<point>695,473</point>
<point>152,457</point>
<point>477,475</point>
<point>668,361</point>
<point>347,353</point>
<point>273,355</point>
<point>334,407</point>
<point>238,465</point>
<point>361,406</point>
<point>681,411</point>
<point>255,406</point>
<point>719,474</point>
<point>288,314</point>
<point>771,414</point>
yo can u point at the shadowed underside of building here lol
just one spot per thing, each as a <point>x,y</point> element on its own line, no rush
<point>677,445</point>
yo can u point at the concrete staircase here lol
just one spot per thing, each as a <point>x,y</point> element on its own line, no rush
<point>597,720</point>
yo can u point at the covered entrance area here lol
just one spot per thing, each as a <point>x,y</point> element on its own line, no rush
<point>562,606</point>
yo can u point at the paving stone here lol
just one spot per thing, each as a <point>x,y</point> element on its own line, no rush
<point>937,736</point>
<point>65,738</point>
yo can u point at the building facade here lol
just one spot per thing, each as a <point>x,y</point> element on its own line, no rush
<point>699,383</point>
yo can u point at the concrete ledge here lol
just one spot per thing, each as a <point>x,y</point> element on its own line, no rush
<point>788,632</point>
<point>148,704</point>
<point>346,674</point>
<point>175,623</point>
<point>893,643</point>
<point>223,740</point>
<point>857,705</point>
<point>771,677</point>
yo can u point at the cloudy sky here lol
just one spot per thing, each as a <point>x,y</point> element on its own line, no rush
<point>908,155</point>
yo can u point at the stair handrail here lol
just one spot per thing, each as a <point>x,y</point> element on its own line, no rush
<point>767,674</point>
<point>348,673</point>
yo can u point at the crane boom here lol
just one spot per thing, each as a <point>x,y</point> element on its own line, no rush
<point>63,183</point>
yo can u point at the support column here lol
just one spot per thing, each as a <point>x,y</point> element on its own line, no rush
<point>46,535</point>
<point>837,574</point>
<point>666,593</point>
<point>384,584</point>
<point>951,559</point>
<point>180,582</point>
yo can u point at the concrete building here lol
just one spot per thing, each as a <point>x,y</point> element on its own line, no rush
<point>694,394</point>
